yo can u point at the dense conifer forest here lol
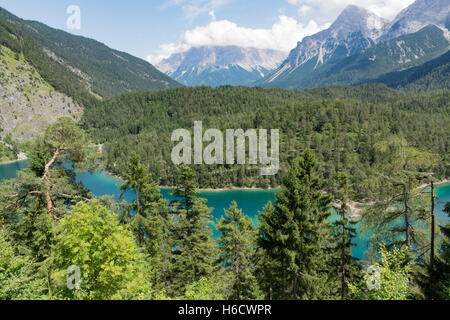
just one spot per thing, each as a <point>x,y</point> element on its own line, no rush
<point>382,147</point>
<point>344,126</point>
<point>52,229</point>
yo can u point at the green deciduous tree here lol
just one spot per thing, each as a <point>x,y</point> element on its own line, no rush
<point>205,289</point>
<point>390,282</point>
<point>111,266</point>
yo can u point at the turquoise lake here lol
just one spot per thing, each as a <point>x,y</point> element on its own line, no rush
<point>250,201</point>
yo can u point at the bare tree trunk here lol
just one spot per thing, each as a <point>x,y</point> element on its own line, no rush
<point>432,224</point>
<point>406,214</point>
<point>343,265</point>
<point>137,200</point>
<point>47,167</point>
<point>295,287</point>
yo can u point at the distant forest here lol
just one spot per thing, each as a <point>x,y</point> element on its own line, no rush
<point>342,125</point>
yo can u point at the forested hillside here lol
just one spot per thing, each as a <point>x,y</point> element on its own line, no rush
<point>103,71</point>
<point>58,241</point>
<point>35,91</point>
<point>341,125</point>
<point>61,79</point>
<point>433,75</point>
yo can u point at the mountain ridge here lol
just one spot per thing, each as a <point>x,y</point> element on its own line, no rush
<point>105,71</point>
<point>343,48</point>
<point>221,65</point>
<point>418,15</point>
<point>352,32</point>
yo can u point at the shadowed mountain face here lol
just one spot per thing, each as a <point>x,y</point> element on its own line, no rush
<point>104,71</point>
<point>215,66</point>
<point>360,46</point>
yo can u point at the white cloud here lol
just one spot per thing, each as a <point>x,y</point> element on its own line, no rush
<point>283,35</point>
<point>313,16</point>
<point>327,10</point>
<point>194,8</point>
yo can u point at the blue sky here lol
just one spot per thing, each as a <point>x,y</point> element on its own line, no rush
<point>154,29</point>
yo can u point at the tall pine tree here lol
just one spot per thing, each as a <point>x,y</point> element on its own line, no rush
<point>194,251</point>
<point>297,235</point>
<point>237,246</point>
<point>344,233</point>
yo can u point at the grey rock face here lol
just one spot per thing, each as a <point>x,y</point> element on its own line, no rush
<point>355,30</point>
<point>216,65</point>
<point>418,15</point>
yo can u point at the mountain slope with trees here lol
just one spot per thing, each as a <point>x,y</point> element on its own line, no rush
<point>341,124</point>
<point>103,71</point>
<point>432,75</point>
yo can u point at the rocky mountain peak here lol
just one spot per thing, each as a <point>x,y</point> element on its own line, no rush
<point>354,19</point>
<point>418,15</point>
<point>219,65</point>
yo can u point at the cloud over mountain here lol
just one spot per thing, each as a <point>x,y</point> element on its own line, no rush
<point>323,11</point>
<point>283,36</point>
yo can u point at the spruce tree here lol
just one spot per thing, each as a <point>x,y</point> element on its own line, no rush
<point>344,233</point>
<point>137,179</point>
<point>436,280</point>
<point>147,215</point>
<point>194,251</point>
<point>296,233</point>
<point>237,249</point>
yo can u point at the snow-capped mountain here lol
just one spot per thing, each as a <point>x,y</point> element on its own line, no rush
<point>355,30</point>
<point>216,65</point>
<point>360,46</point>
<point>417,16</point>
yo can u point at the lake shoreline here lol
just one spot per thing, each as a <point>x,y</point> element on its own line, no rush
<point>13,161</point>
<point>355,207</point>
<point>437,183</point>
<point>226,189</point>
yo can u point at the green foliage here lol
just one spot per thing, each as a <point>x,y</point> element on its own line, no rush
<point>436,281</point>
<point>194,252</point>
<point>395,277</point>
<point>341,126</point>
<point>297,235</point>
<point>91,238</point>
<point>344,233</point>
<point>237,245</point>
<point>5,153</point>
<point>18,279</point>
<point>100,70</point>
<point>62,140</point>
<point>401,210</point>
<point>205,289</point>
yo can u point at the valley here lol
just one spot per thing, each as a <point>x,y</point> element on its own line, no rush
<point>151,181</point>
